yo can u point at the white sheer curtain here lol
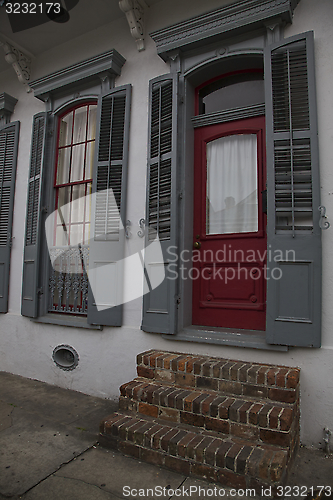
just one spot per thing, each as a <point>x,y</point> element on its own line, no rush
<point>232,200</point>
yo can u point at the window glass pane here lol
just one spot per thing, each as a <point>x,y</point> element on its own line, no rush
<point>76,234</point>
<point>78,202</point>
<point>64,160</point>
<point>87,233</point>
<point>234,96</point>
<point>61,237</point>
<point>92,122</point>
<point>77,168</point>
<point>65,135</point>
<point>63,207</point>
<point>232,199</point>
<point>89,159</point>
<point>88,203</point>
<point>80,125</point>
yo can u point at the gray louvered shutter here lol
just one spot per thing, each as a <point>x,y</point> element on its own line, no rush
<point>294,235</point>
<point>33,218</point>
<point>9,136</point>
<point>160,304</point>
<point>106,249</point>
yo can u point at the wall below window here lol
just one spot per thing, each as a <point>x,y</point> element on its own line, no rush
<point>107,357</point>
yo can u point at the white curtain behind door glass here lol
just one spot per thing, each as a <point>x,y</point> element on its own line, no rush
<point>232,200</point>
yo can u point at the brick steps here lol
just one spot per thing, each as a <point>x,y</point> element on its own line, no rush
<point>225,420</point>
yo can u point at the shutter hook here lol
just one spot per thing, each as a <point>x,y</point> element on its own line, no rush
<point>323,223</point>
<point>127,227</point>
<point>142,224</point>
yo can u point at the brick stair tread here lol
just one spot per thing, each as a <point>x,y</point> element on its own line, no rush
<point>192,451</point>
<point>279,383</point>
<point>175,403</point>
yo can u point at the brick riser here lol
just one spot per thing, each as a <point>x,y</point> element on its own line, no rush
<point>228,421</point>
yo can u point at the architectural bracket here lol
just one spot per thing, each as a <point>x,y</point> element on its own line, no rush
<point>7,105</point>
<point>134,10</point>
<point>19,61</point>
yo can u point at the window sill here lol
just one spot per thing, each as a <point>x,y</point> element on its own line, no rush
<point>74,321</point>
<point>226,336</point>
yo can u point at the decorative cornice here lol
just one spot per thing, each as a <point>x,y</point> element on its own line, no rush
<point>228,115</point>
<point>20,61</point>
<point>135,17</point>
<point>96,69</point>
<point>7,105</point>
<point>240,16</point>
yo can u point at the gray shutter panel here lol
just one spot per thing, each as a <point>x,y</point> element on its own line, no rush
<point>293,232</point>
<point>9,136</point>
<point>33,218</point>
<point>160,304</point>
<point>106,249</point>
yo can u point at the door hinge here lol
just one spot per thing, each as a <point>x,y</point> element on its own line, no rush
<point>177,300</point>
<point>40,291</point>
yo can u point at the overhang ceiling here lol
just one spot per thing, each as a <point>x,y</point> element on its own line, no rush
<point>85,16</point>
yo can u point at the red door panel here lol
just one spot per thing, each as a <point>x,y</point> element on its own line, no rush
<point>229,258</point>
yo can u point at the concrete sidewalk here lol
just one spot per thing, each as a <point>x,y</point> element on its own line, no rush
<point>49,451</point>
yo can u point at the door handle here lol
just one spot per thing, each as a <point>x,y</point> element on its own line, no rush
<point>197,245</point>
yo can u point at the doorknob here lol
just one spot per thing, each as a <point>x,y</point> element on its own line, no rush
<point>197,245</point>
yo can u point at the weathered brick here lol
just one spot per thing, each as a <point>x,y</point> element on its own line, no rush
<point>172,397</point>
<point>147,409</point>
<point>188,402</point>
<point>145,372</point>
<point>145,359</point>
<point>264,464</point>
<point>226,369</point>
<point>252,374</point>
<point>254,461</point>
<point>196,404</point>
<point>164,375</point>
<point>244,412</point>
<point>256,391</point>
<point>123,403</point>
<point>207,368</point>
<point>174,362</point>
<point>152,359</point>
<point>168,360</point>
<point>278,465</point>
<point>109,423</point>
<point>242,459</point>
<point>182,445</point>
<point>156,441</point>
<point>231,479</point>
<point>150,433</point>
<point>283,395</point>
<point>139,358</point>
<point>263,415</point>
<point>207,383</point>
<point>192,419</point>
<point>271,376</point>
<point>278,438</point>
<point>221,453</point>
<point>216,424</point>
<point>198,366</point>
<point>165,394</point>
<point>182,365</point>
<point>245,431</point>
<point>179,399</point>
<point>132,428</point>
<point>129,449</point>
<point>178,464</point>
<point>138,390</point>
<point>204,471</point>
<point>117,425</point>
<point>234,371</point>
<point>224,407</point>
<point>292,379</point>
<point>156,395</point>
<point>160,359</point>
<point>253,413</point>
<point>242,372</point>
<point>185,379</point>
<point>165,440</point>
<point>262,375</point>
<point>193,444</point>
<point>139,434</point>
<point>200,449</point>
<point>214,407</point>
<point>286,419</point>
<point>122,388</point>
<point>217,369</point>
<point>210,453</point>
<point>230,459</point>
<point>123,429</point>
<point>169,414</point>
<point>152,457</point>
<point>233,410</point>
<point>281,377</point>
<point>205,405</point>
<point>230,387</point>
<point>274,417</point>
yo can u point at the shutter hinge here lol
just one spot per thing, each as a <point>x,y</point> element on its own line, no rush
<point>45,210</point>
<point>10,241</point>
<point>40,291</point>
<point>177,300</point>
<point>180,195</point>
<point>180,99</point>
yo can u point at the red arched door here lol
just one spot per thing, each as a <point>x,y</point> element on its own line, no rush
<point>230,245</point>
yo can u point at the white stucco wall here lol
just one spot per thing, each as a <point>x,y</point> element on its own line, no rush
<point>107,358</point>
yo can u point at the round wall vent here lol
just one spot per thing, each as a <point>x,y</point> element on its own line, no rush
<point>65,357</point>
